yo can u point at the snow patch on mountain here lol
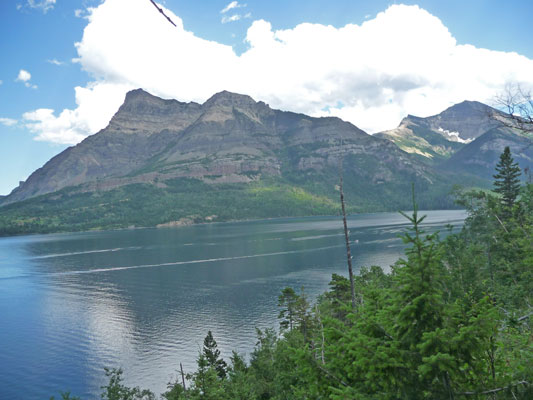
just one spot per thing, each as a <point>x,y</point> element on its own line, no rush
<point>454,136</point>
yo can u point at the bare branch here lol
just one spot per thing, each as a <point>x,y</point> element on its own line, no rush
<point>162,12</point>
<point>525,317</point>
<point>518,103</point>
<point>492,391</point>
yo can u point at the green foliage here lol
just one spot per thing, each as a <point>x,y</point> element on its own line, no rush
<point>212,356</point>
<point>116,390</point>
<point>300,193</point>
<point>66,396</point>
<point>144,205</point>
<point>506,179</point>
<point>206,383</point>
<point>294,311</point>
<point>175,391</point>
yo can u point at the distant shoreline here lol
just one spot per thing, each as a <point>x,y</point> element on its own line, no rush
<point>214,222</point>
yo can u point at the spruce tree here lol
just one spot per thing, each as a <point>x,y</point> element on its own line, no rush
<point>212,354</point>
<point>287,299</point>
<point>506,179</point>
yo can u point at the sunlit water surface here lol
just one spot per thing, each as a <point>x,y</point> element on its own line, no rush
<point>144,299</point>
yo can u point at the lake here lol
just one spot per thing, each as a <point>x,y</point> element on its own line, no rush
<point>144,299</point>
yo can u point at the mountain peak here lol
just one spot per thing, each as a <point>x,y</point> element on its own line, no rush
<point>145,113</point>
<point>468,106</point>
<point>137,94</point>
<point>141,98</point>
<point>226,98</point>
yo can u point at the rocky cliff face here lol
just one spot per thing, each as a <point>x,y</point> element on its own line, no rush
<point>436,138</point>
<point>466,139</point>
<point>229,138</point>
<point>463,122</point>
<point>481,156</point>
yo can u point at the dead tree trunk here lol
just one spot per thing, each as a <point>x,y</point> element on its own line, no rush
<point>347,238</point>
<point>183,379</point>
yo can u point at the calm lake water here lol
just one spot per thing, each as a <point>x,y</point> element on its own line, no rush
<point>144,299</point>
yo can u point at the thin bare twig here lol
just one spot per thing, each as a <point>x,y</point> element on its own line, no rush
<point>518,104</point>
<point>492,391</point>
<point>525,317</point>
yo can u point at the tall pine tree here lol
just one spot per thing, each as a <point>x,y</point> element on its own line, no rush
<point>212,355</point>
<point>506,179</point>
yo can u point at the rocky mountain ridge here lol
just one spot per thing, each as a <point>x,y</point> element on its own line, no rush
<point>465,139</point>
<point>230,138</point>
<point>163,163</point>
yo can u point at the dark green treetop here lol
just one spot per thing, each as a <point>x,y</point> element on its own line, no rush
<point>212,355</point>
<point>506,179</point>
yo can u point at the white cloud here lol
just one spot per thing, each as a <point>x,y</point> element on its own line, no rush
<point>225,19</point>
<point>404,60</point>
<point>235,17</point>
<point>1,82</point>
<point>96,104</point>
<point>83,13</point>
<point>8,121</point>
<point>43,5</point>
<point>231,6</point>
<point>55,62</point>
<point>23,76</point>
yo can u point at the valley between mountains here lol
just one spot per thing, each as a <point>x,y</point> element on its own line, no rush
<point>164,162</point>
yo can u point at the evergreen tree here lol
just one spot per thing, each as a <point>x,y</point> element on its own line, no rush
<point>293,314</point>
<point>212,355</point>
<point>116,390</point>
<point>287,299</point>
<point>506,179</point>
<point>206,382</point>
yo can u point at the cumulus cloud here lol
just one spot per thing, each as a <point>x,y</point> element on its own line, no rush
<point>95,106</point>
<point>24,77</point>
<point>404,60</point>
<point>8,121</point>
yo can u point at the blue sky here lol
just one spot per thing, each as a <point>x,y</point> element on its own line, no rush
<point>268,53</point>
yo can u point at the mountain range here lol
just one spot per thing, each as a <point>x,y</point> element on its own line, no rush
<point>466,139</point>
<point>165,162</point>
